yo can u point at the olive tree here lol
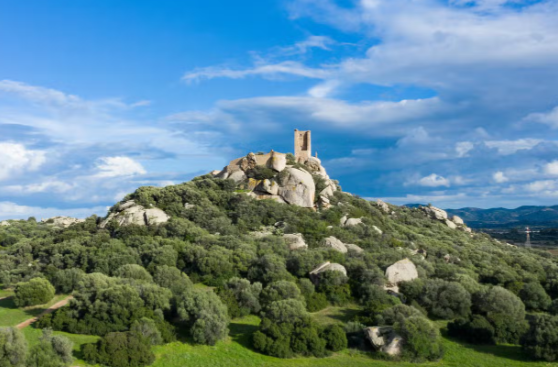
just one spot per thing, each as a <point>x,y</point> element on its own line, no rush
<point>37,291</point>
<point>13,347</point>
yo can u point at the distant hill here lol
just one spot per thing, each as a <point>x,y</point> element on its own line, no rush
<point>545,216</point>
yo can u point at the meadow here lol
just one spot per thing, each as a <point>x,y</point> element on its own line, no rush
<point>236,350</point>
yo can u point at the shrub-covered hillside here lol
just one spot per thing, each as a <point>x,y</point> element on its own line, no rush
<point>138,285</point>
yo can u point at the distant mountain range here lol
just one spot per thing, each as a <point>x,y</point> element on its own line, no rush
<point>543,216</point>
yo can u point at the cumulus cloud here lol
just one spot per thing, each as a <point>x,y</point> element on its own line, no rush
<point>500,177</point>
<point>462,148</point>
<point>16,159</point>
<point>551,168</point>
<point>118,166</point>
<point>548,118</point>
<point>434,180</point>
<point>10,210</point>
<point>507,147</point>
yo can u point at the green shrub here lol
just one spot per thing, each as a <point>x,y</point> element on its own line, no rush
<point>261,173</point>
<point>335,338</point>
<point>476,330</point>
<point>422,338</point>
<point>52,351</point>
<point>37,291</point>
<point>534,296</point>
<point>125,349</point>
<point>13,347</point>
<point>541,339</point>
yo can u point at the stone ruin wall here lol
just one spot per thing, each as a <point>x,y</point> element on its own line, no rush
<point>303,145</point>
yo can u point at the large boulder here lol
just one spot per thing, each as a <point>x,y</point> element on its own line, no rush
<point>130,213</point>
<point>278,161</point>
<point>402,271</point>
<point>237,176</point>
<point>297,188</point>
<point>335,244</point>
<point>457,220</point>
<point>384,339</point>
<point>383,206</point>
<point>327,266</point>
<point>4,223</point>
<point>354,248</point>
<point>295,241</point>
<point>450,224</point>
<point>62,222</point>
<point>269,186</point>
<point>435,213</point>
<point>353,222</point>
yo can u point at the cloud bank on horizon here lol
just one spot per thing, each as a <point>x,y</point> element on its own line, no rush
<point>449,102</point>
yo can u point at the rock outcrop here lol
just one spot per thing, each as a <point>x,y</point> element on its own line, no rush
<point>295,241</point>
<point>285,183</point>
<point>298,188</point>
<point>401,271</point>
<point>338,245</point>
<point>4,223</point>
<point>384,339</point>
<point>438,214</point>
<point>327,266</point>
<point>383,206</point>
<point>347,222</point>
<point>129,213</point>
<point>62,222</point>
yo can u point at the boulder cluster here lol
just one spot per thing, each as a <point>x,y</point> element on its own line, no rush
<point>453,222</point>
<point>129,212</point>
<point>62,222</point>
<point>290,183</point>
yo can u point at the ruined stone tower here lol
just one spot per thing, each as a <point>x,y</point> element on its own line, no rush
<point>303,145</point>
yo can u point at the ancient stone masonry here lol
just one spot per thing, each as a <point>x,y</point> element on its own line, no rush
<point>303,145</point>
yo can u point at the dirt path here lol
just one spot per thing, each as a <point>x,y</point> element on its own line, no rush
<point>3,298</point>
<point>51,309</point>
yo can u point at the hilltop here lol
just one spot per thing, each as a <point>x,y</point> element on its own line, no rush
<point>272,237</point>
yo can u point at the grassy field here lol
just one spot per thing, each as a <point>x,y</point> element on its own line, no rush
<point>6,293</point>
<point>10,315</point>
<point>237,351</point>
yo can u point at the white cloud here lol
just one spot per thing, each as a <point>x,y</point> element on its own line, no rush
<point>415,136</point>
<point>508,147</point>
<point>53,186</point>
<point>9,210</point>
<point>302,47</point>
<point>500,177</point>
<point>16,159</point>
<point>551,168</point>
<point>118,166</point>
<point>434,180</point>
<point>549,118</point>
<point>265,70</point>
<point>463,148</point>
<point>542,186</point>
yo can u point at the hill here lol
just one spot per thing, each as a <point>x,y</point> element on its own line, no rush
<point>546,216</point>
<point>269,258</point>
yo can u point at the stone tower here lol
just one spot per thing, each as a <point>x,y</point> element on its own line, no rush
<point>303,145</point>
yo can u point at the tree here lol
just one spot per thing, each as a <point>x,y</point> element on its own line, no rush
<point>52,351</point>
<point>396,314</point>
<point>534,296</point>
<point>147,328</point>
<point>133,271</point>
<point>171,278</point>
<point>67,280</point>
<point>205,314</point>
<point>125,349</point>
<point>505,312</point>
<point>245,295</point>
<point>37,291</point>
<point>422,338</point>
<point>442,299</point>
<point>541,339</point>
<point>280,290</point>
<point>335,338</point>
<point>13,347</point>
<point>476,330</point>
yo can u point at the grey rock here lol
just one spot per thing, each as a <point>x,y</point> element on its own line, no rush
<point>327,266</point>
<point>355,248</point>
<point>401,271</point>
<point>4,223</point>
<point>278,161</point>
<point>295,241</point>
<point>335,244</point>
<point>298,188</point>
<point>384,339</point>
<point>62,222</point>
<point>237,176</point>
<point>383,206</point>
<point>435,213</point>
<point>353,222</point>
<point>378,230</point>
<point>450,224</point>
<point>155,216</point>
<point>270,187</point>
<point>457,220</point>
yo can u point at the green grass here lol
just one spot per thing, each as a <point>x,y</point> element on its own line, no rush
<point>6,293</point>
<point>236,351</point>
<point>10,315</point>
<point>336,315</point>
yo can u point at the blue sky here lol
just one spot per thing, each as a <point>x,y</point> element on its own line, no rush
<point>449,102</point>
